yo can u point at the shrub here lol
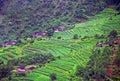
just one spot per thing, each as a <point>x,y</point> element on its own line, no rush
<point>113,34</point>
<point>95,68</point>
<point>35,58</point>
<point>53,76</point>
<point>59,37</point>
<point>31,41</point>
<point>5,70</point>
<point>86,37</point>
<point>97,36</point>
<point>75,36</point>
<point>22,74</point>
<point>118,7</point>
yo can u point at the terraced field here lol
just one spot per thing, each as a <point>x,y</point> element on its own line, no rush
<point>99,24</point>
<point>64,67</point>
<point>9,53</point>
<point>72,52</point>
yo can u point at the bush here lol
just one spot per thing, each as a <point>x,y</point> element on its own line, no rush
<point>32,59</point>
<point>96,66</point>
<point>113,34</point>
<point>75,36</point>
<point>22,74</point>
<point>59,37</point>
<point>53,76</point>
<point>5,70</point>
<point>97,36</point>
<point>118,7</point>
<point>86,37</point>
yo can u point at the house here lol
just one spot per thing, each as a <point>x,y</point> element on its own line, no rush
<point>14,42</point>
<point>31,67</point>
<point>56,30</point>
<point>99,45</point>
<point>106,43</point>
<point>9,43</point>
<point>36,35</point>
<point>42,33</point>
<point>28,39</point>
<point>21,69</point>
<point>3,44</point>
<point>39,34</point>
<point>60,28</point>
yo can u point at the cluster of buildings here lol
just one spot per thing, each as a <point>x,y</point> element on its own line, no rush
<point>34,35</point>
<point>41,34</point>
<point>22,69</point>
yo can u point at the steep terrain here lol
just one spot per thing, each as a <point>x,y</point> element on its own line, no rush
<point>58,40</point>
<point>69,52</point>
<point>21,18</point>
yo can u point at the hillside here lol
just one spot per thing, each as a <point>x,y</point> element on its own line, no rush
<point>22,18</point>
<point>65,55</point>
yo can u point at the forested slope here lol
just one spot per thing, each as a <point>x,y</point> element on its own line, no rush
<point>21,18</point>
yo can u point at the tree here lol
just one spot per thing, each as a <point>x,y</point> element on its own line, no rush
<point>95,68</point>
<point>53,76</point>
<point>113,34</point>
<point>59,37</point>
<point>50,32</point>
<point>118,7</point>
<point>75,36</point>
<point>5,70</point>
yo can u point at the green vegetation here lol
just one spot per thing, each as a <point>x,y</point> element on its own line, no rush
<point>32,59</point>
<point>113,34</point>
<point>99,24</point>
<point>39,15</point>
<point>53,77</point>
<point>66,59</point>
<point>96,67</point>
<point>117,61</point>
<point>75,36</point>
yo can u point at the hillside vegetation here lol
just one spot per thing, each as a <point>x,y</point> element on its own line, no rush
<point>22,18</point>
<point>65,53</point>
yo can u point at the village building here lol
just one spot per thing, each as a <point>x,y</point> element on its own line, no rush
<point>60,28</point>
<point>99,45</point>
<point>9,43</point>
<point>39,34</point>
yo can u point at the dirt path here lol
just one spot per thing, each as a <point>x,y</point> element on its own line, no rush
<point>111,66</point>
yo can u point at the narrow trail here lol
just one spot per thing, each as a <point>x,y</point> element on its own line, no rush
<point>112,65</point>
